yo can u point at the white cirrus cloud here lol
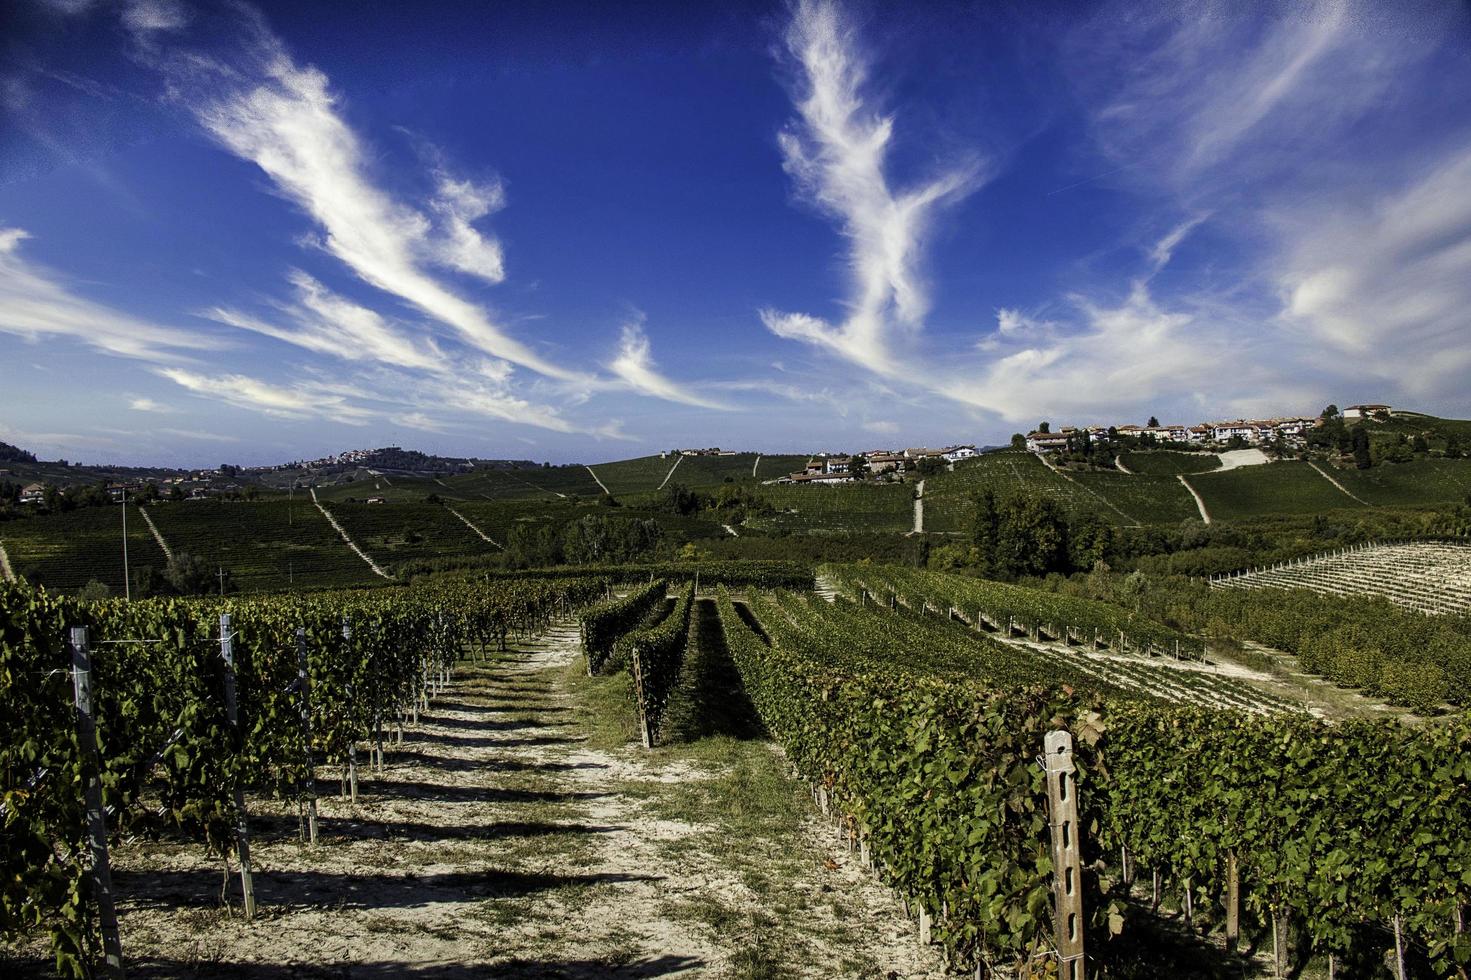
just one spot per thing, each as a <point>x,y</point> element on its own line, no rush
<point>837,153</point>
<point>296,401</point>
<point>35,303</point>
<point>635,365</point>
<point>284,118</point>
<point>320,320</point>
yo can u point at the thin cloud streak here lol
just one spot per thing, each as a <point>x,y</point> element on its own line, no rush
<point>836,152</point>
<point>635,365</point>
<point>284,118</point>
<point>35,303</point>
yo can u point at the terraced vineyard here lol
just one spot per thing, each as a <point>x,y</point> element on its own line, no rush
<point>68,550</point>
<point>645,473</point>
<point>1429,576</point>
<point>1151,499</point>
<point>880,507</point>
<point>1165,462</point>
<point>1006,472</point>
<point>271,544</point>
<point>937,643</point>
<point>1277,488</point>
<point>772,467</point>
<point>1423,481</point>
<point>398,532</point>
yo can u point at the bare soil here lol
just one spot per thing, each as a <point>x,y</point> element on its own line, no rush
<point>517,833</point>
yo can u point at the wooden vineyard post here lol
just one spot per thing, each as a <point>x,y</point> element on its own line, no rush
<point>101,870</point>
<point>309,782</point>
<point>242,822</point>
<point>637,665</point>
<point>1062,808</point>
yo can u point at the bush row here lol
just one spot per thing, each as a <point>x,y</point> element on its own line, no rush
<point>1330,826</point>
<point>655,655</point>
<point>603,624</point>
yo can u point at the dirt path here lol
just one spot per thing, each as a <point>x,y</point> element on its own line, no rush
<point>599,482</point>
<point>1133,521</point>
<point>754,465</point>
<point>1118,464</point>
<point>483,536</point>
<point>1325,475</point>
<point>918,508</point>
<point>346,538</point>
<point>167,551</point>
<point>1205,515</point>
<point>7,574</point>
<point>508,838</point>
<point>677,460</point>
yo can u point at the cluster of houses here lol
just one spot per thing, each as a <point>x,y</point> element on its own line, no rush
<point>193,486</point>
<point>829,469</point>
<point>708,451</point>
<point>1255,431</point>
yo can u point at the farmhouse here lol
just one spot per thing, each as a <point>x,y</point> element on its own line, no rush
<point>1040,441</point>
<point>1367,411</point>
<point>956,453</point>
<point>35,493</point>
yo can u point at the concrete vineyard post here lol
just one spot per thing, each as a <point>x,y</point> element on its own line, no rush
<point>242,821</point>
<point>352,735</point>
<point>101,869</point>
<point>1067,886</point>
<point>309,774</point>
<point>1233,903</point>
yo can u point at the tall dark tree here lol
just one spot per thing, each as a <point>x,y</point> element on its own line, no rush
<point>1044,426</point>
<point>1359,442</point>
<point>1153,422</point>
<point>985,530</point>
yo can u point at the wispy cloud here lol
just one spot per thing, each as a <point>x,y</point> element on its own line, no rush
<point>299,401</point>
<point>285,118</point>
<point>635,365</point>
<point>837,151</point>
<point>323,321</point>
<point>148,405</point>
<point>36,303</point>
<point>1385,285</point>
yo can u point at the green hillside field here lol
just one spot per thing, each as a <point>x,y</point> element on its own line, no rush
<point>269,544</point>
<point>1419,482</point>
<point>1291,487</point>
<point>1164,462</point>
<point>68,550</point>
<point>1146,499</point>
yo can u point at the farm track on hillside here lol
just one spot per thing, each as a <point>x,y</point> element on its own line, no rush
<point>468,523</point>
<point>6,573</point>
<point>347,538</point>
<point>1199,501</point>
<point>1327,476</point>
<point>501,841</point>
<point>167,551</point>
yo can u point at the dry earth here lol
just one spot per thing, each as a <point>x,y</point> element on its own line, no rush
<point>515,833</point>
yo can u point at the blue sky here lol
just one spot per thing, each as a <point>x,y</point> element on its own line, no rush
<point>254,232</point>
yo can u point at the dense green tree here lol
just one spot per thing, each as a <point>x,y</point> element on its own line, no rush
<point>1153,422</point>
<point>1031,537</point>
<point>985,530</point>
<point>677,498</point>
<point>1360,448</point>
<point>1044,426</point>
<point>1018,441</point>
<point>190,575</point>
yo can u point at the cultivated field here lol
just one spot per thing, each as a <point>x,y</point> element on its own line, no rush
<point>1430,577</point>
